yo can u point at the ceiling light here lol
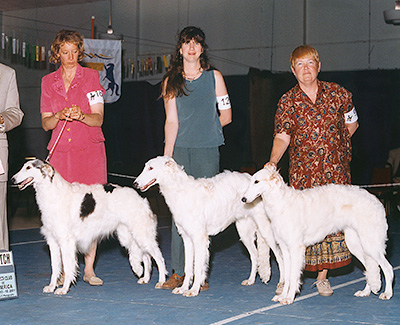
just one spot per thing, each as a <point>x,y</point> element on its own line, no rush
<point>393,16</point>
<point>109,29</point>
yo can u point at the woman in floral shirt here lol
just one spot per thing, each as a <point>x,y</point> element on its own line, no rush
<point>315,120</point>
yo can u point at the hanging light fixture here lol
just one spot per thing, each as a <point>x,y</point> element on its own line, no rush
<point>109,34</point>
<point>393,16</point>
<point>110,31</point>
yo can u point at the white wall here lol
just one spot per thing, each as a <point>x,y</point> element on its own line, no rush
<point>349,34</point>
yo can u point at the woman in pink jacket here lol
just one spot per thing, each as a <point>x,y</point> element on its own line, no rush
<point>74,94</point>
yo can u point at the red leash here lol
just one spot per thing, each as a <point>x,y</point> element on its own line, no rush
<point>56,142</point>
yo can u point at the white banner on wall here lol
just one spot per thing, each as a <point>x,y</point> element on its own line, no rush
<point>105,57</point>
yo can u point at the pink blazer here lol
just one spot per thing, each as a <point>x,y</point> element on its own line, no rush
<point>77,136</point>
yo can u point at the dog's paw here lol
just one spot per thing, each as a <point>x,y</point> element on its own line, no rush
<point>49,289</point>
<point>265,280</point>
<point>375,290</point>
<point>61,291</point>
<point>159,285</point>
<point>191,293</point>
<point>143,281</point>
<point>283,300</point>
<point>178,291</point>
<point>286,301</point>
<point>137,269</point>
<point>276,298</point>
<point>247,282</point>
<point>363,293</point>
<point>385,296</point>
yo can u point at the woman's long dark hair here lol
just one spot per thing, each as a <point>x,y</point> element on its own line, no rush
<point>175,86</point>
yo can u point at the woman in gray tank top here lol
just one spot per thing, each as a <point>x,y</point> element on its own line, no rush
<point>197,108</point>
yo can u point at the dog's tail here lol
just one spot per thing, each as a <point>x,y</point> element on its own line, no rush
<point>264,265</point>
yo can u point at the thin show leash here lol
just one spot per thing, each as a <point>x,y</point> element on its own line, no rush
<point>362,186</point>
<point>380,185</point>
<point>52,148</point>
<point>58,139</point>
<point>122,176</point>
<point>56,142</point>
<point>133,177</point>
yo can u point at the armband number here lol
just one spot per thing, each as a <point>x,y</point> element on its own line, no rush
<point>95,97</point>
<point>223,102</point>
<point>351,117</point>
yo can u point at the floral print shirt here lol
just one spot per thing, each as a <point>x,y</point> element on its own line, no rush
<point>320,146</point>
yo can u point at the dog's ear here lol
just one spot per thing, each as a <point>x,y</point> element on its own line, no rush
<point>170,163</point>
<point>47,170</point>
<point>277,178</point>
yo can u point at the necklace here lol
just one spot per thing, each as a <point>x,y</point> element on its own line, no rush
<point>193,77</point>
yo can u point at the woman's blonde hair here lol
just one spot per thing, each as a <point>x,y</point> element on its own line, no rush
<point>62,37</point>
<point>303,51</point>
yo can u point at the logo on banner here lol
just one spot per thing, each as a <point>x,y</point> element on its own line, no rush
<point>105,57</point>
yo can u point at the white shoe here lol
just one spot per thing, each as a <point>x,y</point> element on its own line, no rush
<point>323,287</point>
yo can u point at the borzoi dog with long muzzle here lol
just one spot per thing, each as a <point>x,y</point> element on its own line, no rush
<point>74,215</point>
<point>204,207</point>
<point>301,218</point>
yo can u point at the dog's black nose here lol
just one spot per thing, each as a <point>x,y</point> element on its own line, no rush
<point>244,200</point>
<point>135,185</point>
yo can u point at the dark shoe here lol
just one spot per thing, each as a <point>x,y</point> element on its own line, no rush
<point>174,281</point>
<point>205,286</point>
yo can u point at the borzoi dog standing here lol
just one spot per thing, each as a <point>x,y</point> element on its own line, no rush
<point>303,218</point>
<point>207,206</point>
<point>74,215</point>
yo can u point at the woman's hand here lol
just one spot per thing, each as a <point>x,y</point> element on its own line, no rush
<point>76,113</point>
<point>70,114</point>
<point>64,114</point>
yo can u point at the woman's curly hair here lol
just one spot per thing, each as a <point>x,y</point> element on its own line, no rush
<point>62,37</point>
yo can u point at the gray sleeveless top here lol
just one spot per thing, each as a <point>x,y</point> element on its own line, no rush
<point>199,125</point>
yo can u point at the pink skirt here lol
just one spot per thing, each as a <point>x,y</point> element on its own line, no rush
<point>88,166</point>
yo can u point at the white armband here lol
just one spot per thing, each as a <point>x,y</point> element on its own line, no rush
<point>223,102</point>
<point>95,97</point>
<point>351,117</point>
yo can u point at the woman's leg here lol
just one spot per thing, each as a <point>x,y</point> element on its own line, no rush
<point>89,275</point>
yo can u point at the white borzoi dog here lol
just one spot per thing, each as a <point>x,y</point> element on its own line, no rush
<point>74,215</point>
<point>303,218</point>
<point>207,206</point>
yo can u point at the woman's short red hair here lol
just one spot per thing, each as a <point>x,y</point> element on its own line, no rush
<point>303,51</point>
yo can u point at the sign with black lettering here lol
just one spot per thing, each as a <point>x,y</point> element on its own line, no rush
<point>8,283</point>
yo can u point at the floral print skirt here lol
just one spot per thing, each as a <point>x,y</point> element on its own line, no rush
<point>332,253</point>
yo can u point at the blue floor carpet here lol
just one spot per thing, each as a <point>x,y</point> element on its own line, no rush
<point>122,301</point>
